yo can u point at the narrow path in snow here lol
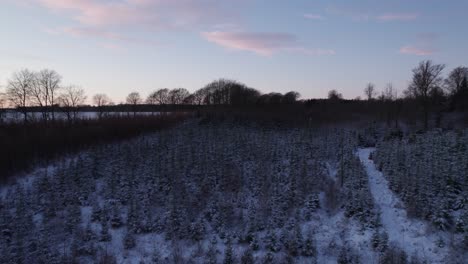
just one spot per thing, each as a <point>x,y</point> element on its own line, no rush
<point>409,234</point>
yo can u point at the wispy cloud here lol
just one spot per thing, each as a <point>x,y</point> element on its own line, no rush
<point>155,14</point>
<point>265,44</point>
<point>260,43</point>
<point>397,17</point>
<point>91,32</point>
<point>313,16</point>
<point>97,13</point>
<point>412,50</point>
<point>368,15</point>
<point>97,18</point>
<point>422,46</point>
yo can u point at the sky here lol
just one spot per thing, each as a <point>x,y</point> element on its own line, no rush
<point>119,46</point>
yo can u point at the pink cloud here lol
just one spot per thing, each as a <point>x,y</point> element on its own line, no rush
<point>261,43</point>
<point>99,13</point>
<point>90,32</point>
<point>313,16</point>
<point>154,14</point>
<point>398,17</point>
<point>104,18</point>
<point>265,44</point>
<point>411,50</point>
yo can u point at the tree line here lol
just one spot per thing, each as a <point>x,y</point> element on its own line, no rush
<point>45,92</point>
<point>429,89</point>
<point>429,94</point>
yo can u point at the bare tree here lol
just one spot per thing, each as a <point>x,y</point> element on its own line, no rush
<point>390,93</point>
<point>44,91</point>
<point>160,96</point>
<point>388,97</point>
<point>152,100</point>
<point>70,99</point>
<point>426,77</point>
<point>101,100</point>
<point>50,81</point>
<point>453,83</point>
<point>198,97</point>
<point>189,99</point>
<point>369,91</point>
<point>134,99</point>
<point>19,90</point>
<point>39,96</point>
<point>178,95</point>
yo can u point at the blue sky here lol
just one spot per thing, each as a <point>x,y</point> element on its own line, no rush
<point>119,46</point>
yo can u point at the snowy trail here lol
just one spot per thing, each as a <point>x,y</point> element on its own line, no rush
<point>408,234</point>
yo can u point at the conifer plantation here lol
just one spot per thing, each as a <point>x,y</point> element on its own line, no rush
<point>233,132</point>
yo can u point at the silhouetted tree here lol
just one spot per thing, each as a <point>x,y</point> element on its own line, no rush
<point>217,92</point>
<point>291,97</point>
<point>178,95</point>
<point>461,98</point>
<point>453,83</point>
<point>101,100</point>
<point>455,86</point>
<point>369,91</point>
<point>134,99</point>
<point>390,93</point>
<point>228,92</point>
<point>151,99</point>
<point>70,99</point>
<point>334,95</point>
<point>160,96</point>
<point>46,90</point>
<point>198,97</point>
<point>19,90</point>
<point>426,77</point>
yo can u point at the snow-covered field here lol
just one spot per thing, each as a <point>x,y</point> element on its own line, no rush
<point>13,116</point>
<point>224,193</point>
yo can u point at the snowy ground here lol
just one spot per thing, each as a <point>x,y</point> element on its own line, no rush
<point>332,229</point>
<point>411,235</point>
<point>14,116</point>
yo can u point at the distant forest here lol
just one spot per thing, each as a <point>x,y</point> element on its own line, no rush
<point>431,101</point>
<point>428,96</point>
